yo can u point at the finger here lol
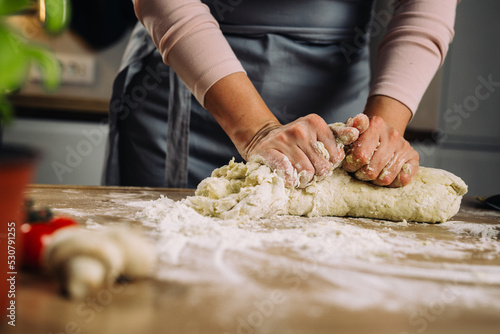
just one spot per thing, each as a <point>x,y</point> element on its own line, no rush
<point>303,179</point>
<point>333,147</point>
<point>279,163</point>
<point>315,153</point>
<point>304,169</point>
<point>295,164</point>
<point>346,135</point>
<point>362,151</point>
<point>319,145</point>
<point>406,175</point>
<point>402,166</point>
<point>360,122</point>
<point>408,170</point>
<point>382,160</point>
<point>389,173</point>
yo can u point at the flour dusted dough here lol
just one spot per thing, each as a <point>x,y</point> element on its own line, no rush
<point>252,190</point>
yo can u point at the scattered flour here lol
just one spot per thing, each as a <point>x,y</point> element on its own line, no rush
<point>361,263</point>
<point>486,232</point>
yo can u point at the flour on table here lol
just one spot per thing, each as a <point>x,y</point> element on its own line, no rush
<point>253,190</point>
<point>355,263</point>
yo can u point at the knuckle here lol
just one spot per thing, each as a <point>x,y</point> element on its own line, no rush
<point>348,166</point>
<point>337,156</point>
<point>376,121</point>
<point>415,156</point>
<point>361,157</point>
<point>274,162</point>
<point>281,136</point>
<point>298,131</point>
<point>313,118</point>
<point>350,121</point>
<point>394,135</point>
<point>349,160</point>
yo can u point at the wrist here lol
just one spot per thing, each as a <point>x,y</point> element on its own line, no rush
<point>393,112</point>
<point>238,108</point>
<point>261,133</point>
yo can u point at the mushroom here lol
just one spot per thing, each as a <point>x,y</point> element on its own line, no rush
<point>84,261</point>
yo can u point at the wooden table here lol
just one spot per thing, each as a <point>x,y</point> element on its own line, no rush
<point>281,291</point>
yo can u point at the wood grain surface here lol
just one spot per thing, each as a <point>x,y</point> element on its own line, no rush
<point>280,291</point>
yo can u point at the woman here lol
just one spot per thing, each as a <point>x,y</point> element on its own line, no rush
<point>238,71</point>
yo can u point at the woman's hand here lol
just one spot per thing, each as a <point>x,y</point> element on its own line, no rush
<point>304,148</point>
<point>293,150</point>
<point>381,154</point>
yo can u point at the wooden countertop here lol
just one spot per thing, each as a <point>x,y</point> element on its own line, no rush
<point>50,102</point>
<point>280,291</point>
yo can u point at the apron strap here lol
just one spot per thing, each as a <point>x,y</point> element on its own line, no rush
<point>179,109</point>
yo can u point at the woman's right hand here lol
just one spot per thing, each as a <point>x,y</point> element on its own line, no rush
<point>292,149</point>
<point>294,152</point>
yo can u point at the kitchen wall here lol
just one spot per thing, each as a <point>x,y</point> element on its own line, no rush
<point>468,131</point>
<point>95,80</point>
<point>71,152</point>
<point>68,126</point>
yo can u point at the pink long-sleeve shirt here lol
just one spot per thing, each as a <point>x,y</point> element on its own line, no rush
<point>190,41</point>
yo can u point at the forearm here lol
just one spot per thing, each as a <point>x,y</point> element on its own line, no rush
<point>413,49</point>
<point>239,109</point>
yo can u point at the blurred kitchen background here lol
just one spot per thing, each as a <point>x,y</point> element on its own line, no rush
<point>457,127</point>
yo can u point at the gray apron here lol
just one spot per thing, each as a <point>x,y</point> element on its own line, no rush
<point>302,56</point>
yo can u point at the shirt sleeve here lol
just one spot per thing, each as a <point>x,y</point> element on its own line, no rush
<point>414,48</point>
<point>190,41</point>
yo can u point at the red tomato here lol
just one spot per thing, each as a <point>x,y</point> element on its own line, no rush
<point>59,222</point>
<point>34,237</point>
<point>37,235</point>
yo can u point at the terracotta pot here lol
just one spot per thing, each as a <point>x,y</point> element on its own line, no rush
<point>17,166</point>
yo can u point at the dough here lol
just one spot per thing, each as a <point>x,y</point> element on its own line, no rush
<point>252,190</point>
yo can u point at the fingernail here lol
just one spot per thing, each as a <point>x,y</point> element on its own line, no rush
<point>384,173</point>
<point>319,147</point>
<point>303,179</point>
<point>361,175</point>
<point>406,168</point>
<point>340,144</point>
<point>350,159</point>
<point>397,182</point>
<point>337,164</point>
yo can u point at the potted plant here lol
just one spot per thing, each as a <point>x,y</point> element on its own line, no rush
<point>17,164</point>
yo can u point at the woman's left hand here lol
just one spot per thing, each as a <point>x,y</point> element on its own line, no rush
<point>381,154</point>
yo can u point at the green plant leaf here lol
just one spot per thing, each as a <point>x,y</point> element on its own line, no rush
<point>57,15</point>
<point>6,111</point>
<point>47,64</point>
<point>12,6</point>
<point>14,65</point>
